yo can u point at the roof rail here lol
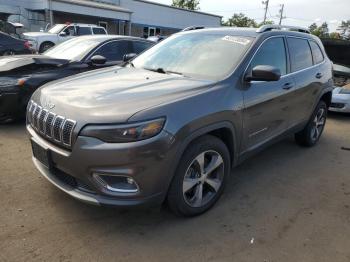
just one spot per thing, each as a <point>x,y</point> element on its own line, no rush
<point>266,28</point>
<point>190,28</point>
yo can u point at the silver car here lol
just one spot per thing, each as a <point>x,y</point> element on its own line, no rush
<point>341,100</point>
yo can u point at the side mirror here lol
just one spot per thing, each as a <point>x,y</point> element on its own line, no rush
<point>128,57</point>
<point>264,73</point>
<point>62,34</point>
<point>98,60</point>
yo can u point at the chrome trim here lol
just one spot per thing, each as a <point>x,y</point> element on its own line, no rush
<point>287,52</point>
<point>47,130</point>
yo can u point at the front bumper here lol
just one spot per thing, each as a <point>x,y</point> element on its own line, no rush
<point>148,162</point>
<point>9,105</point>
<point>340,103</point>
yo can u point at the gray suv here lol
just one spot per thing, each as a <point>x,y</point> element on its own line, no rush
<point>169,126</point>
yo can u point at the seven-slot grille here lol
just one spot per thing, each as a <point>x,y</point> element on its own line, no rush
<point>54,127</point>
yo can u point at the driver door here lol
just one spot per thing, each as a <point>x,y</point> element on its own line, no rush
<point>267,104</point>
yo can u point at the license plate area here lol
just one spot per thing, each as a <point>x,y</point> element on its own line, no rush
<point>41,154</point>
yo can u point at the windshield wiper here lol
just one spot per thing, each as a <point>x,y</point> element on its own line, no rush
<point>162,71</point>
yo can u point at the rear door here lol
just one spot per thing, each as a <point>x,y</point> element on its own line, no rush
<point>307,73</point>
<point>266,104</point>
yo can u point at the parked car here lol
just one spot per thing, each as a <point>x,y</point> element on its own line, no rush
<point>341,93</point>
<point>171,124</point>
<point>156,38</point>
<point>20,76</point>
<point>42,41</point>
<point>10,45</point>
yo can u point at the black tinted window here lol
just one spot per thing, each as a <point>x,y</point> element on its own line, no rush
<point>316,52</point>
<point>300,54</point>
<point>114,51</point>
<point>84,31</point>
<point>272,53</point>
<point>98,31</point>
<point>140,46</point>
<point>69,31</point>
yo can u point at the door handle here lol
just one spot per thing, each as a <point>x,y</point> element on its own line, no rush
<point>287,86</point>
<point>319,75</point>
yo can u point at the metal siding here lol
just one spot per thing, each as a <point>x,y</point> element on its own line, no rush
<point>153,14</point>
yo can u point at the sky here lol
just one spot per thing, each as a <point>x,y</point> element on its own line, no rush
<point>297,12</point>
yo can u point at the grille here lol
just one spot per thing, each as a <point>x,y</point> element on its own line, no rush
<point>54,127</point>
<point>71,181</point>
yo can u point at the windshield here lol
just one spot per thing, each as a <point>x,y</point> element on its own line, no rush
<point>74,49</point>
<point>56,29</point>
<point>208,56</point>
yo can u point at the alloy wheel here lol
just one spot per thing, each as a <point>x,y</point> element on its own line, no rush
<point>203,178</point>
<point>318,124</point>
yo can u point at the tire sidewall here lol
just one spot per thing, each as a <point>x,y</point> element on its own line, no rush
<point>176,192</point>
<point>320,105</point>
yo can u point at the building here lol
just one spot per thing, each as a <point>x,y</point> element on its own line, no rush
<point>125,17</point>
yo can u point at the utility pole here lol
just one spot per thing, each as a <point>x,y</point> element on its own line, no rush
<point>281,14</point>
<point>266,3</point>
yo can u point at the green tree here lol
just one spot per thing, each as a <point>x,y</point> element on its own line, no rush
<point>344,29</point>
<point>267,22</point>
<point>320,31</point>
<point>187,4</point>
<point>240,20</point>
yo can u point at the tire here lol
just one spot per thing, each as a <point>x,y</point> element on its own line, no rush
<point>189,182</point>
<point>8,53</point>
<point>45,46</point>
<point>310,135</point>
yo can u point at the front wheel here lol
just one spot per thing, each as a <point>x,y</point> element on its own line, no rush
<point>45,46</point>
<point>200,177</point>
<point>310,135</point>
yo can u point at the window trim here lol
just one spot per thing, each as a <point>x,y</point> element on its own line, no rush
<point>285,52</point>
<point>312,58</point>
<point>257,50</point>
<point>290,73</point>
<point>323,57</point>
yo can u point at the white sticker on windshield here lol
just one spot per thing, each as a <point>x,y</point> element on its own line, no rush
<point>4,61</point>
<point>237,40</point>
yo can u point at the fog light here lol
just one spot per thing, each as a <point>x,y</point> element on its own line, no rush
<point>116,183</point>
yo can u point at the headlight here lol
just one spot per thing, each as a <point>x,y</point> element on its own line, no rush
<point>344,91</point>
<point>8,81</point>
<point>125,133</point>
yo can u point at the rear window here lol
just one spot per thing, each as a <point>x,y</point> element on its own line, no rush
<point>300,53</point>
<point>316,52</point>
<point>98,31</point>
<point>84,30</point>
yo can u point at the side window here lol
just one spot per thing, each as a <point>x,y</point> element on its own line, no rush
<point>114,51</point>
<point>98,31</point>
<point>300,54</point>
<point>83,30</point>
<point>316,52</point>
<point>272,53</point>
<point>69,30</point>
<point>139,46</point>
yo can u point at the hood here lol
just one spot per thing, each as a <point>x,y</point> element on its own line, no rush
<point>36,34</point>
<point>113,95</point>
<point>14,62</point>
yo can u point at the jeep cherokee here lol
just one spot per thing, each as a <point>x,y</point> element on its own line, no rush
<point>169,126</point>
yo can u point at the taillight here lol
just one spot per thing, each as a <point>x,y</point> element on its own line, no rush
<point>27,45</point>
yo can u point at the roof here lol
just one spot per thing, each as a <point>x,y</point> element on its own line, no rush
<point>178,8</point>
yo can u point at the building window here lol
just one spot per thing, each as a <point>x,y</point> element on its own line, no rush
<point>150,31</point>
<point>103,24</point>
